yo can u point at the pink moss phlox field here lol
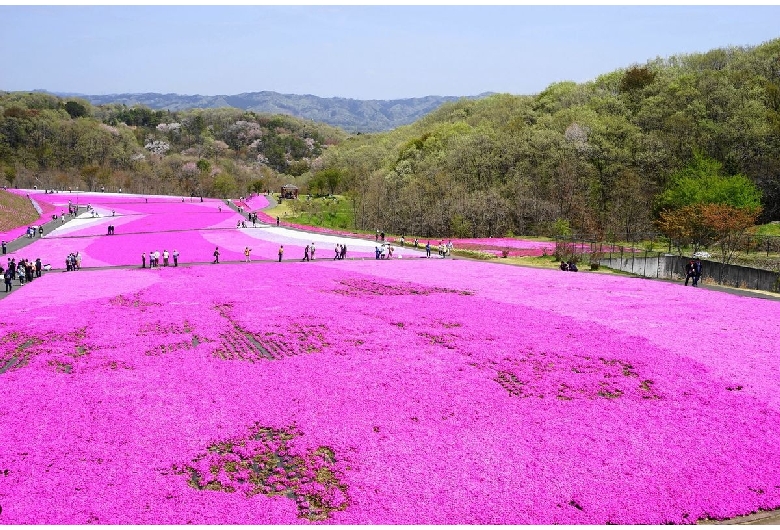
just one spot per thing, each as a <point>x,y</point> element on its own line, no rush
<point>429,391</point>
<point>158,223</point>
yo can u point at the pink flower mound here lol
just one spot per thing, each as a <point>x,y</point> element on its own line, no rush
<point>367,392</point>
<point>253,203</point>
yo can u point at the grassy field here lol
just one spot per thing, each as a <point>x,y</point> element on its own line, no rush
<point>15,211</point>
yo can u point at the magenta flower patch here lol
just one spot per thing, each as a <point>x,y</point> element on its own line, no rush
<point>369,392</point>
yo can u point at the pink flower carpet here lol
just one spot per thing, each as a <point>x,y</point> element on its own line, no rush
<point>157,223</point>
<point>406,391</point>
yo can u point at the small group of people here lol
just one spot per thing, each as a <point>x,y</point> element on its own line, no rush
<point>253,217</point>
<point>32,230</point>
<point>341,251</point>
<point>25,270</point>
<point>693,271</point>
<point>308,252</point>
<point>570,266</point>
<point>111,230</point>
<point>154,258</point>
<point>73,262</point>
<point>385,251</point>
<point>444,250</point>
<point>241,224</point>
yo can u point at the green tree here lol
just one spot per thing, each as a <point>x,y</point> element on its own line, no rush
<point>701,183</point>
<point>76,109</point>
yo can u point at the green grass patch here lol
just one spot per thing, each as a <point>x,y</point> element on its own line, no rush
<point>326,212</point>
<point>771,229</point>
<point>15,211</point>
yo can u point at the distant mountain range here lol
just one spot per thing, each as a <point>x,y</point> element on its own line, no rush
<point>352,115</point>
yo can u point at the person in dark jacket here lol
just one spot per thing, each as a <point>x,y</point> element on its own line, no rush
<point>696,272</point>
<point>688,271</point>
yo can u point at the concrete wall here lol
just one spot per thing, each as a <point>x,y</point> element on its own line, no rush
<point>670,266</point>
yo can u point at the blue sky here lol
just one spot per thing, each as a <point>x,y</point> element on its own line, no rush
<point>361,52</point>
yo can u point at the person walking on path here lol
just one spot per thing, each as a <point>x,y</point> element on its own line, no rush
<point>143,260</point>
<point>247,252</point>
<point>38,267</point>
<point>281,252</point>
<point>175,258</point>
<point>277,220</point>
<point>5,248</point>
<point>165,257</point>
<point>428,249</point>
<point>311,250</point>
<point>8,278</point>
<point>216,255</point>
<point>338,252</point>
<point>343,251</point>
<point>306,254</point>
<point>696,272</point>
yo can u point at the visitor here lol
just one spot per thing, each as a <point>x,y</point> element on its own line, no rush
<point>277,220</point>
<point>306,254</point>
<point>564,266</point>
<point>143,260</point>
<point>696,272</point>
<point>572,266</point>
<point>343,251</point>
<point>311,250</point>
<point>216,255</point>
<point>247,252</point>
<point>165,258</point>
<point>428,249</point>
<point>338,252</point>
<point>38,267</point>
<point>688,271</point>
<point>281,252</point>
<point>5,248</point>
<point>377,251</point>
<point>175,258</point>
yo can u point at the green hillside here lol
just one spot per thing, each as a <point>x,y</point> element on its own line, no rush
<point>594,155</point>
<point>60,143</point>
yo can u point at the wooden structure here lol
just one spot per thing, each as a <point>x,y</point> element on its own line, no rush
<point>289,191</point>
